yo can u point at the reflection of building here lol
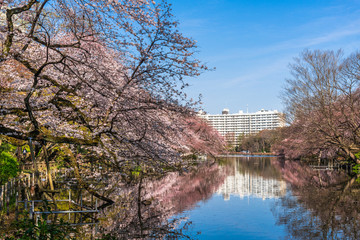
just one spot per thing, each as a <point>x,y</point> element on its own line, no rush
<point>246,181</point>
<point>232,125</point>
<point>245,184</point>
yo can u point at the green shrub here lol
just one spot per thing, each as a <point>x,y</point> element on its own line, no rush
<point>29,229</point>
<point>8,167</point>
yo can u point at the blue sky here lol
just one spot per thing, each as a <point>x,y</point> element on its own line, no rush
<point>251,44</point>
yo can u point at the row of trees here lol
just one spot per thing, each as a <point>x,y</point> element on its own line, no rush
<point>322,106</point>
<point>103,77</point>
<point>261,142</point>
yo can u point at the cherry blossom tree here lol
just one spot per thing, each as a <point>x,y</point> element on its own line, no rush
<point>105,77</point>
<point>201,138</point>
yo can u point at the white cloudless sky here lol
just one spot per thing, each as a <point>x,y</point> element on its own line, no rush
<point>252,42</point>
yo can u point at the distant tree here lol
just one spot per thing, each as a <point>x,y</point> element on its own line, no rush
<point>230,140</point>
<point>259,142</point>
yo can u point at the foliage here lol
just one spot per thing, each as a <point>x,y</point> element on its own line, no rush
<point>8,163</point>
<point>100,81</point>
<point>7,147</point>
<point>28,229</point>
<point>260,142</point>
<point>356,170</point>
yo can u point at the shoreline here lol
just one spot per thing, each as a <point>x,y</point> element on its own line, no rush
<point>255,153</point>
<point>242,154</point>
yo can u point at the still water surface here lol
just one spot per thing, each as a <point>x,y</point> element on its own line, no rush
<point>240,198</point>
<point>231,198</point>
<point>265,198</point>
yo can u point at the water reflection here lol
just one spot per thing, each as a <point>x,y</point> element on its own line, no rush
<point>252,177</point>
<point>303,203</point>
<point>322,204</point>
<point>143,211</point>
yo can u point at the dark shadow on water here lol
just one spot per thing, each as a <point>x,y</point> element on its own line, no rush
<point>143,211</point>
<point>321,204</point>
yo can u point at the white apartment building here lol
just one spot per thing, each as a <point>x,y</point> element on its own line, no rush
<point>232,125</point>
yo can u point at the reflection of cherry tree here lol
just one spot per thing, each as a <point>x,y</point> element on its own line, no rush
<point>142,211</point>
<point>328,204</point>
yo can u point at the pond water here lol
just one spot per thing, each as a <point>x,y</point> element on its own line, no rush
<point>242,206</point>
<point>230,198</point>
<point>265,198</point>
<point>242,218</point>
<point>240,198</point>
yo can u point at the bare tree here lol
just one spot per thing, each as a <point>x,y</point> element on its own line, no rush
<point>322,100</point>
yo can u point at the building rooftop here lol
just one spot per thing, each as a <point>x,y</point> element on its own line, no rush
<point>226,111</point>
